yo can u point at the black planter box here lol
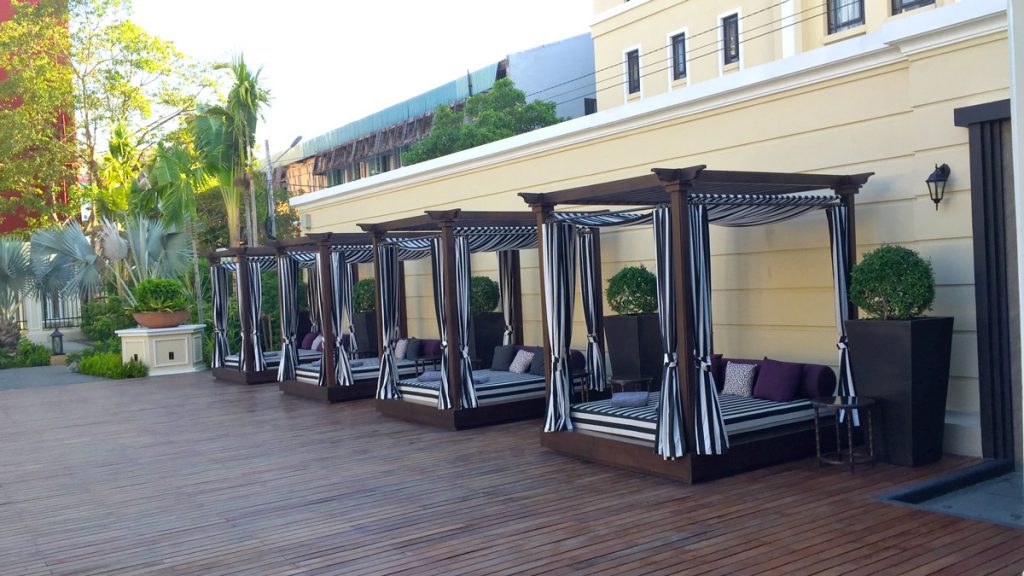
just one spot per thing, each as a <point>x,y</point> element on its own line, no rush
<point>904,364</point>
<point>365,324</point>
<point>634,346</point>
<point>487,332</point>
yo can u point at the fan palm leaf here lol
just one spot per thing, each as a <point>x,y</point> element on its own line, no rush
<point>65,262</point>
<point>16,278</point>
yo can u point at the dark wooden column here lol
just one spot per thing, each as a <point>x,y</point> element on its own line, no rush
<point>244,305</point>
<point>375,240</point>
<point>327,326</point>
<point>403,308</point>
<point>542,212</point>
<point>517,297</point>
<point>451,314</point>
<point>847,194</point>
<point>679,215</point>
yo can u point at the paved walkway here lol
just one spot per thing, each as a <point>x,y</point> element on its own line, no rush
<point>182,475</point>
<point>41,376</point>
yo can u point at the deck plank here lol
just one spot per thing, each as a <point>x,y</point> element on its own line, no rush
<point>186,475</point>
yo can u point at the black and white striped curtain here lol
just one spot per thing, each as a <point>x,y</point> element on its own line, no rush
<point>758,209</point>
<point>313,294</point>
<point>387,278</point>
<point>444,400</point>
<point>219,285</point>
<point>839,238</point>
<point>462,290</point>
<point>590,285</point>
<point>507,265</point>
<point>340,280</point>
<point>350,278</point>
<point>709,427</point>
<point>287,274</point>
<point>669,440</point>
<point>316,288</point>
<point>559,295</point>
<point>255,361</point>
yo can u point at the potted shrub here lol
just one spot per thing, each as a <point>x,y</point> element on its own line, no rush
<point>900,357</point>
<point>364,317</point>
<point>633,336</point>
<point>487,327</point>
<point>160,303</point>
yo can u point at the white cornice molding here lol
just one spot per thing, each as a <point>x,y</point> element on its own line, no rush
<point>929,30</point>
<point>620,9</point>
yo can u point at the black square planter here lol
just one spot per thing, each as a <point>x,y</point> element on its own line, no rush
<point>634,346</point>
<point>904,364</point>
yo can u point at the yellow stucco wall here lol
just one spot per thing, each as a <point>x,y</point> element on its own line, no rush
<point>772,285</point>
<point>649,26</point>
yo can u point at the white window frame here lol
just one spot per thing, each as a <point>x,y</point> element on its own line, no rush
<point>684,81</point>
<point>625,72</point>
<point>721,39</point>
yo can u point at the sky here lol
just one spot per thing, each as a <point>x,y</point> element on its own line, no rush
<point>328,63</point>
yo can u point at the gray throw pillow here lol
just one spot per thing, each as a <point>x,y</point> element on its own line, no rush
<point>739,379</point>
<point>503,356</point>
<point>521,363</point>
<point>537,365</point>
<point>413,348</point>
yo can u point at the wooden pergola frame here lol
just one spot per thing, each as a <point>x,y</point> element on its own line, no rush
<point>241,255</point>
<point>321,244</point>
<point>445,223</point>
<point>671,187</point>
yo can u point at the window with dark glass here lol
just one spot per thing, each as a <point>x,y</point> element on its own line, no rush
<point>679,56</point>
<point>731,39</point>
<point>633,70</point>
<point>899,6</point>
<point>589,106</point>
<point>845,14</point>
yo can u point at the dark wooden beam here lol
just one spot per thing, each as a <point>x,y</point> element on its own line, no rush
<point>451,314</point>
<point>541,212</point>
<point>403,307</point>
<point>679,215</point>
<point>517,297</point>
<point>376,239</point>
<point>847,195</point>
<point>599,319</point>
<point>327,327</point>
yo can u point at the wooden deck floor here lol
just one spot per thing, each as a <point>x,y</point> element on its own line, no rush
<point>191,476</point>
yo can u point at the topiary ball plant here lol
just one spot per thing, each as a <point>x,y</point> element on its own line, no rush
<point>893,283</point>
<point>483,294</point>
<point>633,290</point>
<point>159,295</point>
<point>364,296</point>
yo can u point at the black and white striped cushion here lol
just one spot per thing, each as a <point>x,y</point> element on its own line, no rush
<point>502,387</point>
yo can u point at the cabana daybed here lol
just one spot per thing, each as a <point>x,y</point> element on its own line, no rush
<point>460,397</point>
<point>686,431</point>
<point>251,365</point>
<point>334,374</point>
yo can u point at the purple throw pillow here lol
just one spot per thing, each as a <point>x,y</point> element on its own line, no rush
<point>307,341</point>
<point>778,381</point>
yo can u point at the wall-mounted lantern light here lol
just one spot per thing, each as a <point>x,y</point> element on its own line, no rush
<point>936,182</point>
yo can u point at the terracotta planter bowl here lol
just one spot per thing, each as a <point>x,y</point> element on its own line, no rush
<point>161,319</point>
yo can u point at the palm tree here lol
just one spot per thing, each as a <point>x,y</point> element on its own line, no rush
<point>225,136</point>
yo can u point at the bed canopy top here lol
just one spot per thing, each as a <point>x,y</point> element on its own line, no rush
<point>682,202</point>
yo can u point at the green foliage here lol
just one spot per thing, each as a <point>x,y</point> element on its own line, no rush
<point>633,290</point>
<point>483,294</point>
<point>109,365</point>
<point>499,113</point>
<point>92,77</point>
<point>110,345</point>
<point>27,354</point>
<point>364,296</point>
<point>100,318</point>
<point>159,295</point>
<point>893,282</point>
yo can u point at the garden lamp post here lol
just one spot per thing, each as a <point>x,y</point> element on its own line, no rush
<point>270,225</point>
<point>57,341</point>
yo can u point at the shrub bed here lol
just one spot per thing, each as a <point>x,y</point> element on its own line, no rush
<point>27,354</point>
<point>109,365</point>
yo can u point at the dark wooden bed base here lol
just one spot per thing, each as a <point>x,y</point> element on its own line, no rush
<point>359,390</point>
<point>242,377</point>
<point>463,418</point>
<point>746,452</point>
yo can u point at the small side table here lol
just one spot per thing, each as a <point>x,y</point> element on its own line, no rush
<point>635,382</point>
<point>845,405</point>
